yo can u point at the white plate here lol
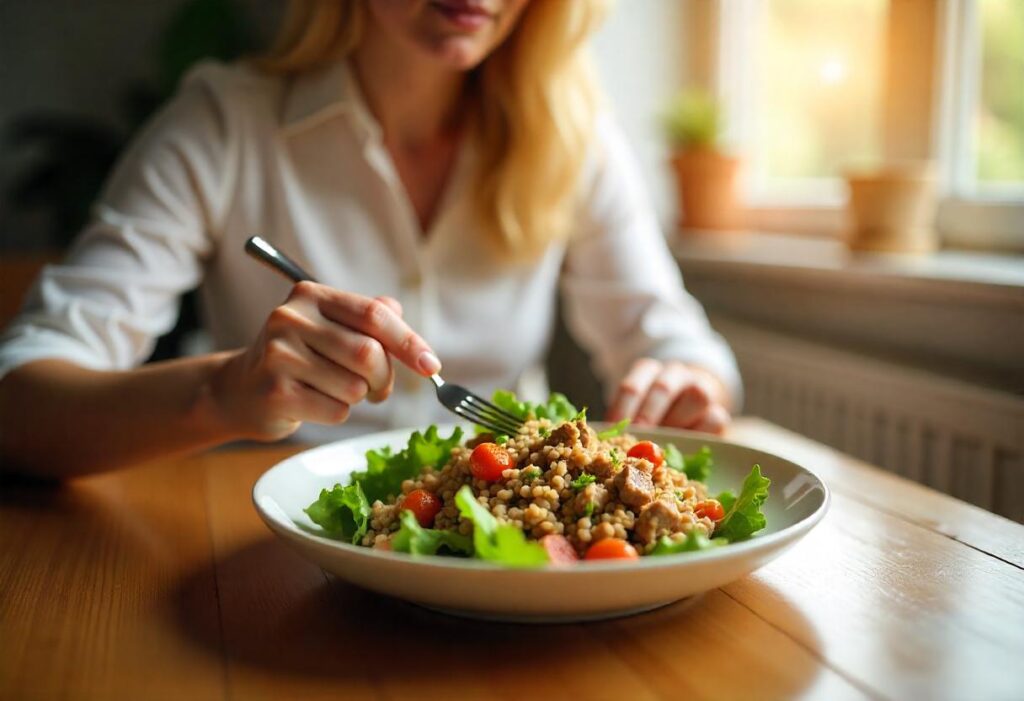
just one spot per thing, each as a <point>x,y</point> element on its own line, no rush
<point>798,499</point>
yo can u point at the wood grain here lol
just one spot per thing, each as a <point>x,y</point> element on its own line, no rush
<point>887,492</point>
<point>89,588</point>
<point>161,582</point>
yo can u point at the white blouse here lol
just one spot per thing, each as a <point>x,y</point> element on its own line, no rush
<point>301,162</point>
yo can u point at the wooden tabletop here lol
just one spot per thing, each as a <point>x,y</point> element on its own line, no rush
<point>162,583</point>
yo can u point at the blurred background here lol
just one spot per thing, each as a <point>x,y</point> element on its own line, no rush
<point>842,182</point>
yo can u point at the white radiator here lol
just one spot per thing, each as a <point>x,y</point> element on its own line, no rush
<point>962,439</point>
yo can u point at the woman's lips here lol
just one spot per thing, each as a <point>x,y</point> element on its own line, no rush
<point>468,16</point>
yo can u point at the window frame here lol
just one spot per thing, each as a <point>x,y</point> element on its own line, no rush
<point>969,215</point>
<point>966,216</point>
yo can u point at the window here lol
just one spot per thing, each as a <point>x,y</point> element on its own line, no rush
<point>812,70</point>
<point>812,88</point>
<point>985,86</point>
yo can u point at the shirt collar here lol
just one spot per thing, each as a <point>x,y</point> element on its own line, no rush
<point>316,96</point>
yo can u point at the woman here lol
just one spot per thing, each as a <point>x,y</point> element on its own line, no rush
<point>441,166</point>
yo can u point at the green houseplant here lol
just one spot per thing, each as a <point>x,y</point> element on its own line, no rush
<point>706,176</point>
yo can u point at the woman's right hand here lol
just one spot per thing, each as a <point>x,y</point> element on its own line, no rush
<point>318,354</point>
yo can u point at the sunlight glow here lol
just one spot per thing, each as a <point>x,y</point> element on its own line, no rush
<point>832,71</point>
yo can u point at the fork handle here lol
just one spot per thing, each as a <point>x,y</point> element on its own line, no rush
<point>262,251</point>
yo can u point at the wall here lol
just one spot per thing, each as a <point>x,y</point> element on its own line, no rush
<point>641,55</point>
<point>76,57</point>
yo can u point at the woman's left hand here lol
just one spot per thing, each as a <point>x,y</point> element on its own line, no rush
<point>671,393</point>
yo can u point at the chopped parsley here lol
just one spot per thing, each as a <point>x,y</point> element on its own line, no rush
<point>501,440</point>
<point>582,481</point>
<point>545,431</point>
<point>581,415</point>
<point>588,510</point>
<point>616,460</point>
<point>531,474</point>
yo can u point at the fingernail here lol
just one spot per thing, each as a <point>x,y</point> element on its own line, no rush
<point>428,362</point>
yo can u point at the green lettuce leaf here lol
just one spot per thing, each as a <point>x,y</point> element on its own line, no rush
<point>557,408</point>
<point>743,517</point>
<point>615,430</point>
<point>343,512</point>
<point>415,539</point>
<point>386,470</point>
<point>694,541</point>
<point>500,543</point>
<point>697,466</point>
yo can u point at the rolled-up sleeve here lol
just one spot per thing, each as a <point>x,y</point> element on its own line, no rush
<point>623,293</point>
<point>119,287</point>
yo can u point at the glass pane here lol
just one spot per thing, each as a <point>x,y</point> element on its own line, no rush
<point>818,89</point>
<point>999,120</point>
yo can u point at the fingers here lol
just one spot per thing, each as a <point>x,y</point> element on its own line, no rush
<point>715,420</point>
<point>378,319</point>
<point>356,353</point>
<point>690,405</point>
<point>308,387</point>
<point>672,379</point>
<point>313,405</point>
<point>331,380</point>
<point>670,394</point>
<point>633,389</point>
<point>392,303</point>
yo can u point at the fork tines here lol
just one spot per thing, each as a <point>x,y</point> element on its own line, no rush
<point>482,412</point>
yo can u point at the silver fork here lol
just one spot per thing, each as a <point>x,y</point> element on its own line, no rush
<point>456,399</point>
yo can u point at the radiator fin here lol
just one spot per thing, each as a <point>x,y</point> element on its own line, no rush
<point>962,439</point>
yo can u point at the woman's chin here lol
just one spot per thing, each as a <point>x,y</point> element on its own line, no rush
<point>459,53</point>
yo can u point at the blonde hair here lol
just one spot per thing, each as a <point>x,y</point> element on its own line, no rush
<point>536,101</point>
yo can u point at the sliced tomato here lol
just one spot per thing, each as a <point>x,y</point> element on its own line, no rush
<point>423,505</point>
<point>648,451</point>
<point>611,549</point>
<point>712,508</point>
<point>488,461</point>
<point>560,550</point>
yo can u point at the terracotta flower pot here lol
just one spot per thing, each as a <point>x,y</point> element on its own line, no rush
<point>892,209</point>
<point>707,188</point>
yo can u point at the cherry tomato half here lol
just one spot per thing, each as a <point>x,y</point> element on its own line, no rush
<point>488,461</point>
<point>712,508</point>
<point>648,451</point>
<point>423,505</point>
<point>611,549</point>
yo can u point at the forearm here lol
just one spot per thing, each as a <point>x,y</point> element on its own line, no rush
<point>60,420</point>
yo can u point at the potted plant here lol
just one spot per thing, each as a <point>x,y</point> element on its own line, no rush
<point>706,176</point>
<point>892,209</point>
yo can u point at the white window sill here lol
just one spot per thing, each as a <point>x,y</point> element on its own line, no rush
<point>797,255</point>
<point>958,313</point>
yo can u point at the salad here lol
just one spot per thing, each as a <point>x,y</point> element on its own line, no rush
<point>556,492</point>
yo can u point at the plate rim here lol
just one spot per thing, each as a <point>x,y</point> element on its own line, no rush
<point>581,568</point>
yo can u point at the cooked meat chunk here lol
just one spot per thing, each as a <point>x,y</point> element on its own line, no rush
<point>588,436</point>
<point>634,486</point>
<point>559,549</point>
<point>601,466</point>
<point>657,519</point>
<point>566,434</point>
<point>642,464</point>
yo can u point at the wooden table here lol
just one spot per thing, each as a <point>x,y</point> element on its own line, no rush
<point>162,583</point>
